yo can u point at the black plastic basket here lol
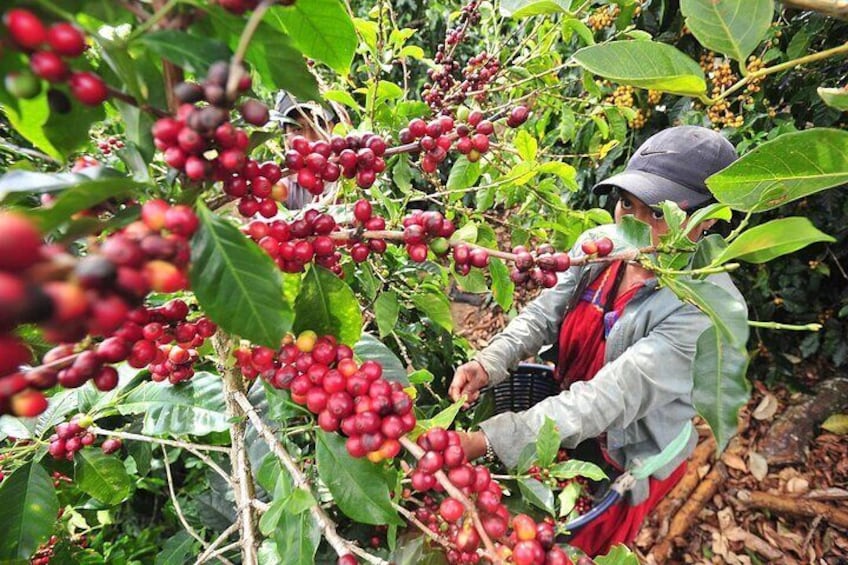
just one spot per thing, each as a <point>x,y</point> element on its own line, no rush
<point>528,385</point>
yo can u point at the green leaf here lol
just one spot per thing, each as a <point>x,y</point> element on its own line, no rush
<point>720,387</point>
<point>237,284</point>
<point>386,310</point>
<point>632,232</point>
<point>645,64</point>
<point>359,488</point>
<point>834,97</point>
<point>196,407</point>
<point>83,196</point>
<point>369,347</point>
<point>464,174</point>
<point>327,305</point>
<point>443,419</point>
<point>729,315</point>
<point>101,476</point>
<point>537,494</point>
<point>300,500</point>
<point>791,166</point>
<point>297,538</point>
<point>28,511</point>
<point>322,29</point>
<point>526,145</point>
<point>564,171</point>
<point>582,30</point>
<point>467,233</point>
<point>770,240</point>
<point>707,250</point>
<point>421,376</point>
<point>547,443</point>
<point>192,52</point>
<point>576,468</point>
<point>270,519</point>
<point>731,27</point>
<point>502,286</point>
<point>568,497</point>
<point>517,9</point>
<point>177,549</point>
<point>435,306</point>
<point>617,555</point>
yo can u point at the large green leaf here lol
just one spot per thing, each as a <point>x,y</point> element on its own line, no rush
<point>720,387</point>
<point>834,97</point>
<point>729,315</point>
<point>236,283</point>
<point>101,476</point>
<point>322,29</point>
<point>767,241</point>
<point>731,27</point>
<point>576,468</point>
<point>370,348</point>
<point>177,549</point>
<point>792,166</point>
<point>196,407</point>
<point>645,64</point>
<point>359,488</point>
<point>435,306</point>
<point>502,286</point>
<point>463,174</point>
<point>523,8</point>
<point>327,305</point>
<point>27,512</point>
<point>192,52</point>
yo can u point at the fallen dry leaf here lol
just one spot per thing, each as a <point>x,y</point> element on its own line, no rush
<point>797,485</point>
<point>734,462</point>
<point>758,465</point>
<point>767,408</point>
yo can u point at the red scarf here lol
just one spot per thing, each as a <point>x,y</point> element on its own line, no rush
<point>582,336</point>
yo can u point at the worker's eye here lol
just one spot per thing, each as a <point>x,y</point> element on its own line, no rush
<point>626,204</point>
<point>657,214</point>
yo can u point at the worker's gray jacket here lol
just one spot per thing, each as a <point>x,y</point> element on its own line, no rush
<point>642,397</point>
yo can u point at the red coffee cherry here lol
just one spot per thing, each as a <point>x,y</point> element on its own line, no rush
<point>88,88</point>
<point>451,509</point>
<point>66,40</point>
<point>25,28</point>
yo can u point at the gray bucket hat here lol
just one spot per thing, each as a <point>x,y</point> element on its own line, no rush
<point>287,108</point>
<point>673,164</point>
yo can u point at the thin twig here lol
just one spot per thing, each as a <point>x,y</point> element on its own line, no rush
<point>219,552</point>
<point>195,449</point>
<point>236,68</point>
<point>207,553</point>
<point>28,152</point>
<point>176,502</point>
<point>124,97</point>
<point>327,526</point>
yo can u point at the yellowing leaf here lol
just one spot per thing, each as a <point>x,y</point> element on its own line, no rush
<point>837,424</point>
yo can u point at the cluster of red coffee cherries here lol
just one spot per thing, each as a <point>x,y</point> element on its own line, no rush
<point>70,437</point>
<point>292,245</point>
<point>441,91</point>
<point>346,396</point>
<point>584,502</point>
<point>201,141</point>
<point>540,267</point>
<point>422,229</point>
<point>48,47</point>
<point>600,247</point>
<point>73,298</point>
<point>111,143</point>
<point>355,156</point>
<point>365,219</point>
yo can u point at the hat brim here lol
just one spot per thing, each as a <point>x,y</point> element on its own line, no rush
<point>652,189</point>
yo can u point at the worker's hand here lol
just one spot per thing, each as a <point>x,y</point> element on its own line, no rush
<point>468,380</point>
<point>473,444</point>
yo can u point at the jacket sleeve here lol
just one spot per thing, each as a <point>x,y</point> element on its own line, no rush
<point>537,325</point>
<point>652,372</point>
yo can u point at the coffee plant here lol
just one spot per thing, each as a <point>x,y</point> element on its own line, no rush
<point>191,372</point>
